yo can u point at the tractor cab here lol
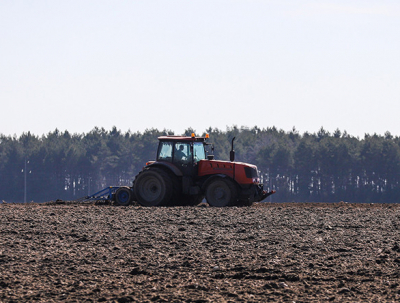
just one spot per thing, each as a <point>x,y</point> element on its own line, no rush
<point>182,152</point>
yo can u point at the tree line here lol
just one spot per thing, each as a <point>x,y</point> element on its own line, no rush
<point>308,167</point>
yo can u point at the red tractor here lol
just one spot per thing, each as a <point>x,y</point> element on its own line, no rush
<point>183,174</point>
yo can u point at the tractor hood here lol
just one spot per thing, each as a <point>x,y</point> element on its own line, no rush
<point>243,173</point>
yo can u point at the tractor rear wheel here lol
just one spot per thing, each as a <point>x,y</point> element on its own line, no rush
<point>123,196</point>
<point>153,187</point>
<point>221,192</point>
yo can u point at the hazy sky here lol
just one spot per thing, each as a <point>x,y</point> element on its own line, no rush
<point>74,65</point>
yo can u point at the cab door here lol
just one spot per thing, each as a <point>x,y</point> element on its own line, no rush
<point>183,158</point>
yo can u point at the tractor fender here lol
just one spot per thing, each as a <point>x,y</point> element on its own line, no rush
<point>210,178</point>
<point>169,166</point>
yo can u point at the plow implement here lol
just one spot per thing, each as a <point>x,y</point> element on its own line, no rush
<point>120,195</point>
<point>105,195</point>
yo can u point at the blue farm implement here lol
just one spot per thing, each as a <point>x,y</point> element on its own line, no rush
<point>122,195</point>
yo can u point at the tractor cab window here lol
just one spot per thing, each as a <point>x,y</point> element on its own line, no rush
<point>165,151</point>
<point>182,153</point>
<point>198,152</point>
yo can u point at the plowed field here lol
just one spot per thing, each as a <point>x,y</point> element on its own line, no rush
<point>265,253</point>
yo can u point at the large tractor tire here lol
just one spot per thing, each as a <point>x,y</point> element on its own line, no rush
<point>123,196</point>
<point>153,187</point>
<point>221,192</point>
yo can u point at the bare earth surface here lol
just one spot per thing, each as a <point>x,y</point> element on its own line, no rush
<point>264,253</point>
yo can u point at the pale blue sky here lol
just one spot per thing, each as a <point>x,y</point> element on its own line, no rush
<point>74,65</point>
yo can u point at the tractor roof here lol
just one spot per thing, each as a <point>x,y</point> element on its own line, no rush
<point>182,138</point>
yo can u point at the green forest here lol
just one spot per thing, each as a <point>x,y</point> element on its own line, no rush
<point>308,167</point>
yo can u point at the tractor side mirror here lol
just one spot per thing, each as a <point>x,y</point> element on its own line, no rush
<point>210,157</point>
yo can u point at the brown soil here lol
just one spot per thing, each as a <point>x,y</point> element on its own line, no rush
<point>268,252</point>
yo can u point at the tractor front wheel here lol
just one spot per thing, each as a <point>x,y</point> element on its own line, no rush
<point>221,192</point>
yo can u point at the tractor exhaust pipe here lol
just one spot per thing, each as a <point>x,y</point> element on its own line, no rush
<point>232,153</point>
